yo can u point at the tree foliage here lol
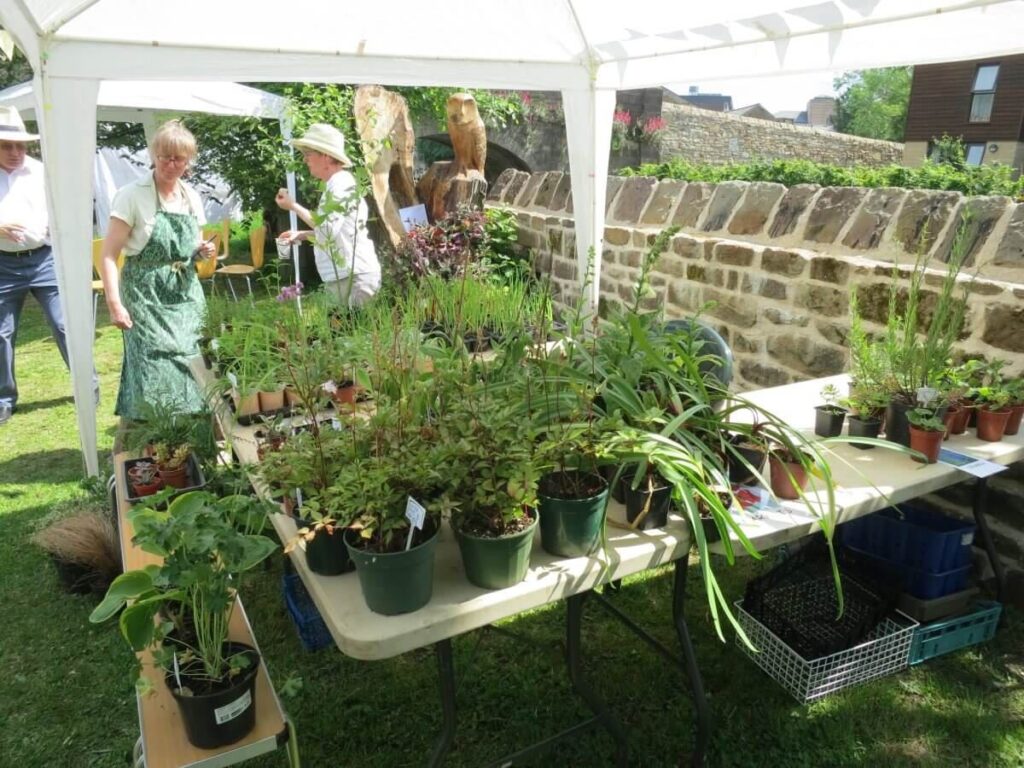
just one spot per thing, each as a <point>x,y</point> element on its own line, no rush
<point>873,102</point>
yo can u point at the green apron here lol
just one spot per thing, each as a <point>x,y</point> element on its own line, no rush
<point>161,291</point>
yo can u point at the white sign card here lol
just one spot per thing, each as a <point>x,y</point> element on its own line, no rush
<point>413,216</point>
<point>969,464</point>
<point>416,514</point>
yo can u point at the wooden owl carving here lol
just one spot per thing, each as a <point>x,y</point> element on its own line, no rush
<point>469,138</point>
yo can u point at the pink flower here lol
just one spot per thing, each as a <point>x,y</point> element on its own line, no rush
<point>290,292</point>
<point>329,387</point>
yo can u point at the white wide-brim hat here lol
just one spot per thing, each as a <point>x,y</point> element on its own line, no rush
<point>321,137</point>
<point>12,128</point>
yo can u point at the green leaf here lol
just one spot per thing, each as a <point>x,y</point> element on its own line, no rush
<point>125,587</point>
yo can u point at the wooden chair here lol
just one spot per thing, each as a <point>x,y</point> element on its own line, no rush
<point>206,268</point>
<point>97,283</point>
<point>256,246</point>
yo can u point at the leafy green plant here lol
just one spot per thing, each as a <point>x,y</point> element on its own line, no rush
<point>206,545</point>
<point>926,419</point>
<point>866,402</point>
<point>830,395</point>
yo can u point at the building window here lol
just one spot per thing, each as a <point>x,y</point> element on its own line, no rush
<point>973,153</point>
<point>983,93</point>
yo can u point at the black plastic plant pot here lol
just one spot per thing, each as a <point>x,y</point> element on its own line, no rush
<point>897,428</point>
<point>739,473</point>
<point>327,554</point>
<point>864,428</point>
<point>396,582</point>
<point>711,532</point>
<point>571,527</point>
<point>828,421</point>
<point>223,715</point>
<point>659,498</point>
<point>496,563</point>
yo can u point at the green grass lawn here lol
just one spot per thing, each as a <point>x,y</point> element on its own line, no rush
<point>66,697</point>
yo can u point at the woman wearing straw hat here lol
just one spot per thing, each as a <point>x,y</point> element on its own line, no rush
<point>156,298</point>
<point>345,256</point>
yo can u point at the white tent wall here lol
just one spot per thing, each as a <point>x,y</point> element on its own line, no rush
<point>68,153</point>
<point>587,50</point>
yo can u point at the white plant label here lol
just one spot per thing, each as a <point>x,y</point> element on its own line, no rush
<point>298,498</point>
<point>230,711</point>
<point>966,539</point>
<point>335,424</point>
<point>415,513</point>
<point>215,344</point>
<point>233,379</point>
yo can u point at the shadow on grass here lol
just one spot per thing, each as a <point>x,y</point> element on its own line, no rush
<point>59,465</point>
<point>38,405</point>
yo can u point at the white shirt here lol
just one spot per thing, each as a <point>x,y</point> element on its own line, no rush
<point>23,201</point>
<point>135,205</point>
<point>344,233</point>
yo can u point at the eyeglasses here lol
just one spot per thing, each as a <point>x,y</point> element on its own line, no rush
<point>175,159</point>
<point>13,146</point>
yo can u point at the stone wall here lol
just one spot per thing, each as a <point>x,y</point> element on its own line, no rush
<point>772,269</point>
<point>702,136</point>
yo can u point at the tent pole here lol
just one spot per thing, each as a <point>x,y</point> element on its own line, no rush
<point>63,107</point>
<point>293,220</point>
<point>588,128</point>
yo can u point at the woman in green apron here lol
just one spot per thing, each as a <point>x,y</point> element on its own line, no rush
<point>157,299</point>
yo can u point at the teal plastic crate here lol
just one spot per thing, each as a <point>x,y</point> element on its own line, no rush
<point>948,635</point>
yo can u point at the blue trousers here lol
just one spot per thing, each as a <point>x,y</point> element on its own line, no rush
<point>20,276</point>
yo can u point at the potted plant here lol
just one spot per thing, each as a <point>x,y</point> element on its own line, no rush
<point>144,478</point>
<point>993,411</point>
<point>493,486</point>
<point>926,432</point>
<point>647,498</point>
<point>173,463</point>
<point>867,406</point>
<point>207,544</point>
<point>788,469</point>
<point>1015,389</point>
<point>829,417</point>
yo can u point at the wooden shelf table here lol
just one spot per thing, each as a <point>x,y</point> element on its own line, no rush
<point>162,740</point>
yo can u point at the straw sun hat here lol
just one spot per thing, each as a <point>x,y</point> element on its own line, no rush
<point>321,137</point>
<point>12,128</point>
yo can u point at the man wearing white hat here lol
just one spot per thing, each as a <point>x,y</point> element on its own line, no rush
<point>345,256</point>
<point>26,259</point>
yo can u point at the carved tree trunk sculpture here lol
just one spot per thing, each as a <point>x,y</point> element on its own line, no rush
<point>383,124</point>
<point>449,184</point>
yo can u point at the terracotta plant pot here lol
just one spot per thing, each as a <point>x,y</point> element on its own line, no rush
<point>1013,423</point>
<point>958,425</point>
<point>246,405</point>
<point>788,478</point>
<point>271,401</point>
<point>147,489</point>
<point>346,394</point>
<point>927,442</point>
<point>992,424</point>
<point>291,397</point>
<point>176,478</point>
<point>950,419</point>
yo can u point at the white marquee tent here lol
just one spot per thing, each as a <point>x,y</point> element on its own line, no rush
<point>587,49</point>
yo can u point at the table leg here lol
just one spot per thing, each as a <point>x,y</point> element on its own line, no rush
<point>700,703</point>
<point>446,674</point>
<point>980,497</point>
<point>573,660</point>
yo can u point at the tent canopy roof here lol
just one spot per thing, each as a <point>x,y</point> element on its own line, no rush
<point>127,100</point>
<point>552,44</point>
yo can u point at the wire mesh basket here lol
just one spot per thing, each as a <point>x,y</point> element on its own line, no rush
<point>797,601</point>
<point>885,650</point>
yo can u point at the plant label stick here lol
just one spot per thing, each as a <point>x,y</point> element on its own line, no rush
<point>415,513</point>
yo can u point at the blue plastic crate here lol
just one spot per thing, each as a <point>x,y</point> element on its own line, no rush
<point>312,630</point>
<point>913,536</point>
<point>948,635</point>
<point>914,581</point>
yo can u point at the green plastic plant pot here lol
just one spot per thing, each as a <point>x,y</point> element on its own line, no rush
<point>572,527</point>
<point>496,563</point>
<point>327,554</point>
<point>395,582</point>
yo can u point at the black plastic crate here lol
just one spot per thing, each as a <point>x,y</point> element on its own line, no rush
<point>797,602</point>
